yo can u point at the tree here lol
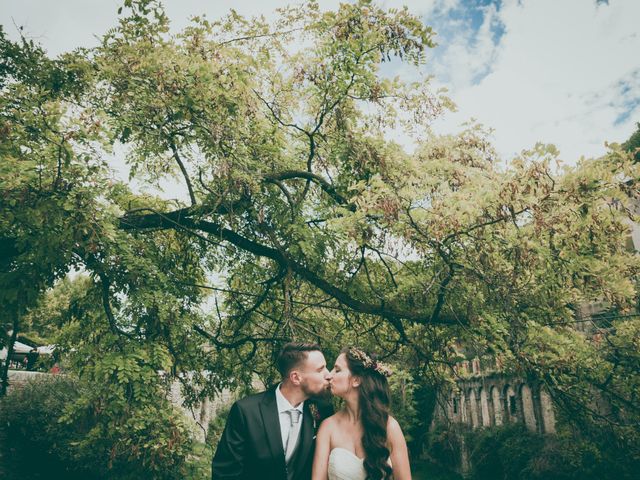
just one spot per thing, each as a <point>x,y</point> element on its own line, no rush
<point>314,223</point>
<point>632,145</point>
<point>49,207</point>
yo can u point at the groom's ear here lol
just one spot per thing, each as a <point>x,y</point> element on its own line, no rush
<point>294,377</point>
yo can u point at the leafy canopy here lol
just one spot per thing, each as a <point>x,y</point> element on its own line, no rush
<point>303,219</point>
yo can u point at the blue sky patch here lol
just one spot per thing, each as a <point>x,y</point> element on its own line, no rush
<point>464,22</point>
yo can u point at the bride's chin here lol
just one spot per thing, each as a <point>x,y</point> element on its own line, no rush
<point>335,392</point>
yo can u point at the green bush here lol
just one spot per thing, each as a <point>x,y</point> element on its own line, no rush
<point>503,452</point>
<point>402,387</point>
<point>216,426</point>
<point>444,446</point>
<point>513,452</point>
<point>41,439</point>
<point>34,442</point>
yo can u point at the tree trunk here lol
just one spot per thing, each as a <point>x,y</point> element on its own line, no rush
<point>4,376</point>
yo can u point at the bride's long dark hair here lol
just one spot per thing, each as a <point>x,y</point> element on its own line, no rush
<point>374,412</point>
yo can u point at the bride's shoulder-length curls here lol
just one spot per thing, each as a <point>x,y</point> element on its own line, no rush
<point>374,401</point>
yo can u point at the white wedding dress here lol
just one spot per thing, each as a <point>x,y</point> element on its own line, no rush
<point>345,465</point>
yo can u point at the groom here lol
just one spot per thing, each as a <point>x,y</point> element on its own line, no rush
<point>271,434</point>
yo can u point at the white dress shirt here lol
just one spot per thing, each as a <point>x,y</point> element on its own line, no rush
<point>285,418</point>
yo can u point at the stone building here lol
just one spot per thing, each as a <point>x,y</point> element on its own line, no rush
<point>484,397</point>
<point>201,414</point>
<point>488,399</point>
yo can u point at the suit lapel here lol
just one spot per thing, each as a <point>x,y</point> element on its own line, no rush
<point>306,434</point>
<point>271,422</point>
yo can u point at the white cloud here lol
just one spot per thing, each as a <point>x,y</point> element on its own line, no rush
<point>422,7</point>
<point>468,53</point>
<point>63,26</point>
<point>563,73</point>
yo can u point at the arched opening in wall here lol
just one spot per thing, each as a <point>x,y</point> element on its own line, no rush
<point>527,408</point>
<point>455,402</point>
<point>484,408</point>
<point>498,408</point>
<point>475,366</point>
<point>473,408</point>
<point>511,403</point>
<point>548,414</point>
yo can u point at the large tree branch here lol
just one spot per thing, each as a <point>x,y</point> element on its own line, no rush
<point>4,375</point>
<point>185,174</point>
<point>106,303</point>
<point>133,220</point>
<point>237,343</point>
<point>286,193</point>
<point>389,311</point>
<point>309,176</point>
<point>262,35</point>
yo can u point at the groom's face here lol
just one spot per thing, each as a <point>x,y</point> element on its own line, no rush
<point>314,375</point>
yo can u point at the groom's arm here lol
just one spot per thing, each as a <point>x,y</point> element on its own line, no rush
<point>228,461</point>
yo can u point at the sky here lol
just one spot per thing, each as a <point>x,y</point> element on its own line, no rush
<point>565,72</point>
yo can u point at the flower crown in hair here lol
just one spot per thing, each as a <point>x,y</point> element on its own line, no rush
<point>368,363</point>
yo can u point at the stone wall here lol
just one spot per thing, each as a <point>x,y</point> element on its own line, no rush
<point>491,400</point>
<point>204,412</point>
<point>200,415</point>
<point>494,400</point>
<point>17,378</point>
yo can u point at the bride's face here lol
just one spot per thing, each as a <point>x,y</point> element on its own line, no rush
<point>342,382</point>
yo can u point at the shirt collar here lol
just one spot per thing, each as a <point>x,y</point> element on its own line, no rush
<point>283,403</point>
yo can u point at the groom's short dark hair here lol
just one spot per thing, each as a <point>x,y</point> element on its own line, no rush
<point>292,354</point>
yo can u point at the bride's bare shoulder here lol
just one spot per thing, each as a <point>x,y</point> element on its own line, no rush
<point>393,427</point>
<point>394,433</point>
<point>327,427</point>
<point>333,421</point>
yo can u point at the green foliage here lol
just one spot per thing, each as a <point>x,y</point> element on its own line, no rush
<point>312,224</point>
<point>444,446</point>
<point>503,453</point>
<point>417,428</point>
<point>403,386</point>
<point>421,470</point>
<point>514,452</point>
<point>199,464</point>
<point>216,427</point>
<point>34,441</point>
<point>52,431</point>
<point>632,145</point>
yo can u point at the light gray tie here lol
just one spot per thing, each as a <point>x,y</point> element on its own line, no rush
<point>294,416</point>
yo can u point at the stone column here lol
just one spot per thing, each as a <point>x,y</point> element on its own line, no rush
<point>484,408</point>
<point>473,405</point>
<point>548,415</point>
<point>498,406</point>
<point>527,408</point>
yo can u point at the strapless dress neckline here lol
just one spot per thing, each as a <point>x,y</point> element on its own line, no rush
<point>348,451</point>
<point>345,465</point>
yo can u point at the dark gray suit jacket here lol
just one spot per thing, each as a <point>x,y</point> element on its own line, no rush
<point>251,444</point>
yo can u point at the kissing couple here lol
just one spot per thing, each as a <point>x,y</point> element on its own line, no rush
<point>273,435</point>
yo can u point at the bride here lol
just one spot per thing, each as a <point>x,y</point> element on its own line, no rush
<point>361,441</point>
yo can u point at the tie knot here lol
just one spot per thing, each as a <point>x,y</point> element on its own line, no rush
<point>294,413</point>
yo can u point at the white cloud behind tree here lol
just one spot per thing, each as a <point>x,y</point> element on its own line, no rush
<point>563,72</point>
